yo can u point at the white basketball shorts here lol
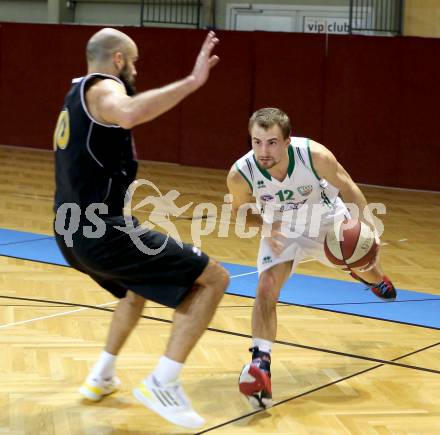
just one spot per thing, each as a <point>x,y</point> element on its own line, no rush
<point>307,244</point>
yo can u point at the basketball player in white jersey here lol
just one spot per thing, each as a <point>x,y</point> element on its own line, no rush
<point>295,184</point>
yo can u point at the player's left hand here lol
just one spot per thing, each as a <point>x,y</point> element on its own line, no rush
<point>205,61</point>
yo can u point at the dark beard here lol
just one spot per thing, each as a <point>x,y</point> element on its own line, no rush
<point>130,87</point>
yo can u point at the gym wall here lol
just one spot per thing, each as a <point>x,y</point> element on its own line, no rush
<point>372,101</point>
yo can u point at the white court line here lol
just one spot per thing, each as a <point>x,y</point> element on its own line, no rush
<point>256,271</point>
<point>244,274</point>
<point>22,322</point>
<point>64,313</point>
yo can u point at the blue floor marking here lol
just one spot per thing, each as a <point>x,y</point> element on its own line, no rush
<point>9,237</point>
<point>346,297</point>
<point>29,246</point>
<point>332,295</point>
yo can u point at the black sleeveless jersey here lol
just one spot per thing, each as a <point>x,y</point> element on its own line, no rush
<point>94,162</point>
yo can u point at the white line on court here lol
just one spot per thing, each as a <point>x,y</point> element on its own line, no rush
<point>22,322</point>
<point>64,313</point>
<point>244,274</point>
<point>256,271</point>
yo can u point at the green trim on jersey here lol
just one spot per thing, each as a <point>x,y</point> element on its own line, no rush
<point>290,168</point>
<point>311,161</point>
<point>244,176</point>
<point>262,170</point>
<point>300,156</point>
<point>327,201</point>
<point>291,161</point>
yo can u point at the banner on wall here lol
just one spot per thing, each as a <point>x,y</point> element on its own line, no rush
<point>294,18</point>
<point>326,25</point>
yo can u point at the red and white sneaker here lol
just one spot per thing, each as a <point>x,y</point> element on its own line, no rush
<point>255,380</point>
<point>384,290</point>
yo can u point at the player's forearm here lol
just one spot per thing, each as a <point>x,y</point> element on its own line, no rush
<point>353,195</point>
<point>150,104</point>
<point>247,215</point>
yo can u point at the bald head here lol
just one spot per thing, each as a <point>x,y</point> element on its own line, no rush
<point>112,52</point>
<point>103,44</point>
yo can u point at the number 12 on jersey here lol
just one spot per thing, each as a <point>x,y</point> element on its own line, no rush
<point>284,195</point>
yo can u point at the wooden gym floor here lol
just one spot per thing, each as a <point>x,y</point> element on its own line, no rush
<point>332,373</point>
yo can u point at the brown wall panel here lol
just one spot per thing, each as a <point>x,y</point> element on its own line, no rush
<point>362,106</point>
<point>372,101</point>
<point>419,153</point>
<point>214,119</point>
<point>39,75</point>
<point>38,63</point>
<point>160,63</point>
<point>289,74</point>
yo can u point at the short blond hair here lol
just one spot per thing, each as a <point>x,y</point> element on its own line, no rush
<point>270,116</point>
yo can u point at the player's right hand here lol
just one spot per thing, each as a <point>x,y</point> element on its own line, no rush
<point>205,61</point>
<point>275,239</point>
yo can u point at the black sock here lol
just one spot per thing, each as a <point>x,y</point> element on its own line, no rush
<point>263,359</point>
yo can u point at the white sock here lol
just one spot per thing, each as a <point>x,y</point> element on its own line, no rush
<point>262,344</point>
<point>105,367</point>
<point>167,370</point>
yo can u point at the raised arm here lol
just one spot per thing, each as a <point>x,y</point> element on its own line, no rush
<point>109,103</point>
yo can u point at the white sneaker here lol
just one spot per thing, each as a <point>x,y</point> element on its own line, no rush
<point>96,388</point>
<point>169,401</point>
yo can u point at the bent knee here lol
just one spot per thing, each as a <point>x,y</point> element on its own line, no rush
<point>214,275</point>
<point>134,299</point>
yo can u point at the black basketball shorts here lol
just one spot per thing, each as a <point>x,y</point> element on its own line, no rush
<point>118,265</point>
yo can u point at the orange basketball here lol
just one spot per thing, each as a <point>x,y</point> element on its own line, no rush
<point>350,243</point>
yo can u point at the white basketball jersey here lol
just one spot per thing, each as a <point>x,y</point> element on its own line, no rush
<point>300,192</point>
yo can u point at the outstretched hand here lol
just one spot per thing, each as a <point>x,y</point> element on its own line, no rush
<point>205,61</point>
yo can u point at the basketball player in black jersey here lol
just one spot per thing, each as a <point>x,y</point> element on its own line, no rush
<point>95,164</point>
